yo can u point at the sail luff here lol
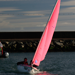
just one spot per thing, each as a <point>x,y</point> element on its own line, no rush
<point>47,36</point>
<point>40,47</point>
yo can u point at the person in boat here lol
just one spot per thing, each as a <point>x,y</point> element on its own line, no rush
<point>32,64</point>
<point>25,61</point>
<point>0,51</point>
<point>1,48</point>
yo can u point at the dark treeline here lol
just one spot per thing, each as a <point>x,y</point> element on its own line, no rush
<point>30,46</point>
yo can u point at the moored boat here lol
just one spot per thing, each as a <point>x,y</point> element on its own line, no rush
<point>3,54</point>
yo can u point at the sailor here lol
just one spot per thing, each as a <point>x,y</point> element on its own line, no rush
<point>32,64</point>
<point>25,61</point>
<point>1,48</point>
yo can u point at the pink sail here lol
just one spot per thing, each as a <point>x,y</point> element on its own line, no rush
<point>46,38</point>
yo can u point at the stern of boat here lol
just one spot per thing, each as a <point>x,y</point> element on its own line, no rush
<point>24,68</point>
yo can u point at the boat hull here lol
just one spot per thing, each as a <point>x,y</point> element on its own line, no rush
<point>27,69</point>
<point>5,54</point>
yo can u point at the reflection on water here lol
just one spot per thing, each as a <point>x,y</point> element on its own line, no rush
<point>45,73</point>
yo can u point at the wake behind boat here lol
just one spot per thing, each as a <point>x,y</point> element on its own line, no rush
<point>44,43</point>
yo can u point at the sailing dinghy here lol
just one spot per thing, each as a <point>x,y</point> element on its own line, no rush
<point>44,42</point>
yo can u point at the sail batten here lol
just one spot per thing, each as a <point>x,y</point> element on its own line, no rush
<point>46,38</point>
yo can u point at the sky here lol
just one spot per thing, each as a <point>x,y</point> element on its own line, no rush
<point>32,15</point>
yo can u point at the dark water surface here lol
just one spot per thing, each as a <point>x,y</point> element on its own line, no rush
<point>60,63</point>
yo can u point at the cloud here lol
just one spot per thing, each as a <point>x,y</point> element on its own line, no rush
<point>3,9</point>
<point>37,13</point>
<point>4,18</point>
<point>34,14</point>
<point>66,20</point>
<point>12,22</point>
<point>24,14</point>
<point>65,28</point>
<point>68,10</point>
<point>41,25</point>
<point>4,24</point>
<point>63,23</point>
<point>66,23</point>
<point>68,3</point>
<point>11,0</point>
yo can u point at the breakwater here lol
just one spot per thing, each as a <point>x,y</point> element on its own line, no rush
<point>28,41</point>
<point>31,45</point>
<point>23,36</point>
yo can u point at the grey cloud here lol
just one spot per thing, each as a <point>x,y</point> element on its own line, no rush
<point>68,3</point>
<point>31,15</point>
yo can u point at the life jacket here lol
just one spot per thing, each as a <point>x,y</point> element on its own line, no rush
<point>1,47</point>
<point>26,63</point>
<point>1,50</point>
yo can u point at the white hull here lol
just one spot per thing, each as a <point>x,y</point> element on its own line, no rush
<point>27,69</point>
<point>5,54</point>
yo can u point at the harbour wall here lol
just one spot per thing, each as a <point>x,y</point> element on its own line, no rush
<point>28,41</point>
<point>22,36</point>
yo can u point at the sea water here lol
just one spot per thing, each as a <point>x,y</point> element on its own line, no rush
<point>55,63</point>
